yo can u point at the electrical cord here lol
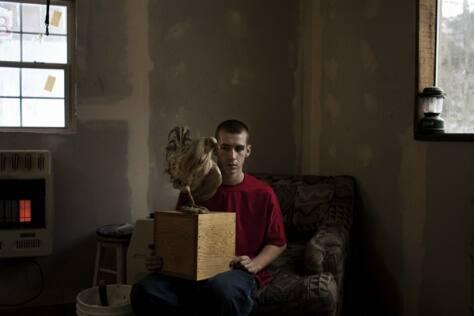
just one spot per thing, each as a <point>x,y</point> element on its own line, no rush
<point>42,287</point>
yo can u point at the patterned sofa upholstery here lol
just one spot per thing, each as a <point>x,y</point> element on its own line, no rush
<point>308,276</point>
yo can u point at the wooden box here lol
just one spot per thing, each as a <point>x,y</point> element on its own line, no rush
<point>195,246</point>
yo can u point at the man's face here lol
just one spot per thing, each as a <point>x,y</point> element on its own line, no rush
<point>232,152</point>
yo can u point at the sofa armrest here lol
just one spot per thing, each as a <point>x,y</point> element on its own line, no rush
<point>294,294</point>
<point>325,251</point>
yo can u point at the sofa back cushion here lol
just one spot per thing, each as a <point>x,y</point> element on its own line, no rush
<point>309,201</point>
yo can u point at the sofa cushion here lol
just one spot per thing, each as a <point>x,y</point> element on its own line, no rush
<point>324,251</point>
<point>317,292</point>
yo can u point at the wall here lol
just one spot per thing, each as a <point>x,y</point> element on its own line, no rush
<point>415,218</point>
<point>340,100</point>
<point>142,68</point>
<point>219,60</point>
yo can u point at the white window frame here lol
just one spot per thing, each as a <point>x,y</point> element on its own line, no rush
<point>426,65</point>
<point>69,85</point>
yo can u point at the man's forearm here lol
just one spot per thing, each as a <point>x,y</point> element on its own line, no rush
<point>268,254</point>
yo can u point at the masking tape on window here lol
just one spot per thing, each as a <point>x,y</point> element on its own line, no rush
<point>49,85</point>
<point>56,18</point>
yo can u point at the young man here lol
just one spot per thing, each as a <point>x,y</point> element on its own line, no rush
<point>260,239</point>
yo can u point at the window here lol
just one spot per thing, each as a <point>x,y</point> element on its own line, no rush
<point>445,59</point>
<point>35,74</point>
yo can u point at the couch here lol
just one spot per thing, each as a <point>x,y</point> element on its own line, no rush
<point>309,275</point>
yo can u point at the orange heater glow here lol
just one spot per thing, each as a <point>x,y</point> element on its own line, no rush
<point>25,211</point>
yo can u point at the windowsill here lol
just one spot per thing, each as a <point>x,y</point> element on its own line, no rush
<point>39,130</point>
<point>446,137</point>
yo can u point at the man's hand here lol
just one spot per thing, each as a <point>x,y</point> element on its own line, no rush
<point>153,262</point>
<point>245,263</point>
<point>268,254</point>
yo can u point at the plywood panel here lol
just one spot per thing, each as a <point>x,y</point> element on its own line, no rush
<point>195,246</point>
<point>216,243</point>
<point>175,241</point>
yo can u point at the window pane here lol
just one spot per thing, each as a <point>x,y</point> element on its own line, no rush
<point>34,19</point>
<point>42,82</point>
<point>9,82</point>
<point>43,113</point>
<point>42,48</point>
<point>9,112</point>
<point>9,47</point>
<point>9,17</point>
<point>455,64</point>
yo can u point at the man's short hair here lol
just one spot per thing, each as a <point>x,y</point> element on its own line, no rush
<point>232,127</point>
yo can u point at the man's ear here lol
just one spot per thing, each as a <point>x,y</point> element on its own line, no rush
<point>248,150</point>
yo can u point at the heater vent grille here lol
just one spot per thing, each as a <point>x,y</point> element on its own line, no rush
<point>26,202</point>
<point>24,162</point>
<point>28,243</point>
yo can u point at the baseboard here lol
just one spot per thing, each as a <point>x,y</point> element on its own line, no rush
<point>49,310</point>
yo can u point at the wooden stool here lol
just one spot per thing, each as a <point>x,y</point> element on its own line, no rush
<point>111,236</point>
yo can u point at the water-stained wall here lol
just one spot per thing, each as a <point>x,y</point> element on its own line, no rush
<point>90,163</point>
<point>146,66</point>
<point>141,68</point>
<point>214,61</point>
<point>89,168</point>
<point>415,218</point>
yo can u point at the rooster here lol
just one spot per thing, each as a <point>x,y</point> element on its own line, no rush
<point>191,167</point>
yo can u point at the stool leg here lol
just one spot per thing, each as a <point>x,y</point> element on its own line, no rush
<point>120,264</point>
<point>96,265</point>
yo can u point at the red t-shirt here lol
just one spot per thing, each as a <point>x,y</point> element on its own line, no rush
<point>258,217</point>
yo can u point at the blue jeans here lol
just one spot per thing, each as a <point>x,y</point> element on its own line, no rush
<point>228,293</point>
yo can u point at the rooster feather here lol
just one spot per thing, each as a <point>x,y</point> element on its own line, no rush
<point>191,167</point>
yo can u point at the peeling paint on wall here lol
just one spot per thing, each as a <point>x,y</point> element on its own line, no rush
<point>329,7</point>
<point>182,117</point>
<point>331,69</point>
<point>237,66</point>
<point>235,77</point>
<point>370,103</point>
<point>241,75</point>
<point>332,151</point>
<point>368,57</point>
<point>416,198</point>
<point>413,197</point>
<point>178,70</point>
<point>179,30</point>
<point>364,153</point>
<point>140,72</point>
<point>101,48</point>
<point>236,23</point>
<point>371,8</point>
<point>91,189</point>
<point>332,107</point>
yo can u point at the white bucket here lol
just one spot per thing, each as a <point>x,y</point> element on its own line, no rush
<point>118,296</point>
